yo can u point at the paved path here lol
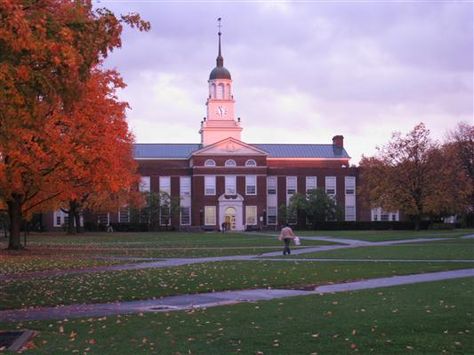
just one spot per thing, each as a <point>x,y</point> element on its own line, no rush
<point>205,300</point>
<point>347,243</point>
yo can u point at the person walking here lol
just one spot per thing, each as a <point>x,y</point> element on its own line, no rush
<point>287,235</point>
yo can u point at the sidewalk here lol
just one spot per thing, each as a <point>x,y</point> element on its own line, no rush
<point>347,243</point>
<point>205,300</point>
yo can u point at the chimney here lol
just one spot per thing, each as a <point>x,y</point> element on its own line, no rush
<point>338,141</point>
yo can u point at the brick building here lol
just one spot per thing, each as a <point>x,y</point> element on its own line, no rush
<point>223,179</point>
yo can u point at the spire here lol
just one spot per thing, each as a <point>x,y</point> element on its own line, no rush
<point>220,59</point>
<point>219,72</point>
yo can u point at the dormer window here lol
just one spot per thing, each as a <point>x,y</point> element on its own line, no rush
<point>209,162</point>
<point>250,162</point>
<point>230,162</point>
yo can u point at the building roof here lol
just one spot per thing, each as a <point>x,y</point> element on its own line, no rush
<point>219,73</point>
<point>183,151</point>
<point>328,151</point>
<point>164,150</point>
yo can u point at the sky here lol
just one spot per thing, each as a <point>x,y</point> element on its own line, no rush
<point>302,71</point>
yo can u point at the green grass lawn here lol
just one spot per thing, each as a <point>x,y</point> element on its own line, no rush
<point>378,236</point>
<point>15,264</point>
<point>197,278</point>
<point>428,318</point>
<point>455,249</point>
<point>161,239</point>
<point>80,250</point>
<point>152,245</point>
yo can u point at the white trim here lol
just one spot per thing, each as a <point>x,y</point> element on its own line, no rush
<point>215,215</point>
<point>187,158</point>
<point>241,167</point>
<point>212,163</point>
<point>254,208</point>
<point>230,184</point>
<point>248,163</point>
<point>202,151</point>
<point>230,163</point>
<point>310,159</point>
<point>247,185</point>
<point>213,185</point>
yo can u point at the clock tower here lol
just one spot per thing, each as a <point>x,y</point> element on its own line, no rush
<point>220,121</point>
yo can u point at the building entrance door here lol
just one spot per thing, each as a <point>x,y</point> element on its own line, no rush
<point>229,218</point>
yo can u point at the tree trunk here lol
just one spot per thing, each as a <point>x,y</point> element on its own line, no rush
<point>72,214</point>
<point>15,214</point>
<point>70,219</point>
<point>417,222</point>
<point>78,222</point>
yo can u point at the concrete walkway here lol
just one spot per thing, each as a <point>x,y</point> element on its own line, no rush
<point>172,262</point>
<point>205,300</point>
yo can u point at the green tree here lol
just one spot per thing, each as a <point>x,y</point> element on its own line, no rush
<point>315,206</point>
<point>282,214</point>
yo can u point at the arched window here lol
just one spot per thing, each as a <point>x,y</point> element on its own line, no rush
<point>220,91</point>
<point>213,91</point>
<point>250,162</point>
<point>209,162</point>
<point>230,162</point>
<point>227,92</point>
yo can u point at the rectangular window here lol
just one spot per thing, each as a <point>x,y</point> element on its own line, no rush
<point>124,215</point>
<point>103,219</point>
<point>271,215</point>
<point>311,183</point>
<point>144,185</point>
<point>331,185</point>
<point>350,213</point>
<point>251,215</point>
<point>60,218</point>
<point>165,215</point>
<point>185,186</point>
<point>250,185</point>
<point>378,214</point>
<point>165,184</point>
<point>350,185</point>
<point>291,185</point>
<point>185,216</point>
<point>230,185</point>
<point>209,185</point>
<point>210,215</point>
<point>271,185</point>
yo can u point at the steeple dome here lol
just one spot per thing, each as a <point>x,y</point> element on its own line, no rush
<point>219,72</point>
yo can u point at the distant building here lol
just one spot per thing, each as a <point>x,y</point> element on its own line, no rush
<point>225,180</point>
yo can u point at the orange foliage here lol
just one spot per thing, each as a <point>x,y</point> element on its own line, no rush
<point>50,52</point>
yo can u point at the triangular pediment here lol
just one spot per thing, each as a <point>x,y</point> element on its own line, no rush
<point>229,146</point>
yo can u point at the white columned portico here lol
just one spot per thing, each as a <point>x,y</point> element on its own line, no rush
<point>227,203</point>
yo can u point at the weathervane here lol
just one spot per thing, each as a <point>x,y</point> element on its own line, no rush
<point>219,24</point>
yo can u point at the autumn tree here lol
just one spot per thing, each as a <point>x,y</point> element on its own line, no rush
<point>103,173</point>
<point>48,49</point>
<point>410,174</point>
<point>458,151</point>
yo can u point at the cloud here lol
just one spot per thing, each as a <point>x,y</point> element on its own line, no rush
<point>310,70</point>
